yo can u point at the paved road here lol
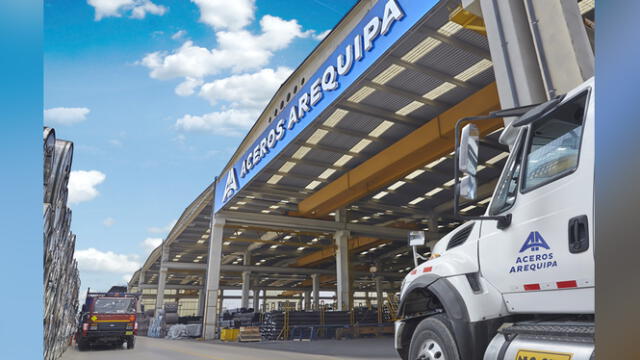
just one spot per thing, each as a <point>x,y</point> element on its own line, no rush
<point>160,349</point>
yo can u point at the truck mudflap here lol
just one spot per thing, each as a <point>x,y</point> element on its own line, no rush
<point>550,340</point>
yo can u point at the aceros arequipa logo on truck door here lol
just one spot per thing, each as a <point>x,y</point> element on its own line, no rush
<point>534,255</point>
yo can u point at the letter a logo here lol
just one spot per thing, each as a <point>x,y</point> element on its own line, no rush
<point>231,186</point>
<point>534,241</point>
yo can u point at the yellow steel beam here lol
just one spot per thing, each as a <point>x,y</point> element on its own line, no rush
<point>320,256</point>
<point>424,145</point>
<point>468,20</point>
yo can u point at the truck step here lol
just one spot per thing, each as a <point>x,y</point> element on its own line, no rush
<point>568,331</point>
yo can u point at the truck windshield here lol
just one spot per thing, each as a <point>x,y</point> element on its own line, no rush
<point>114,306</point>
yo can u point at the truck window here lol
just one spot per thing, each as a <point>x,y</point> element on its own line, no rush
<point>114,306</point>
<point>554,144</point>
<point>507,189</point>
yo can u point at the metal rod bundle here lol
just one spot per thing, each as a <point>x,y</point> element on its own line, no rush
<point>61,276</point>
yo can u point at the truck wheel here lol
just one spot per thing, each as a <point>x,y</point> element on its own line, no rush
<point>432,340</point>
<point>131,342</point>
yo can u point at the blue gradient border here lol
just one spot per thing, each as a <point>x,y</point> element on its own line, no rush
<point>21,269</point>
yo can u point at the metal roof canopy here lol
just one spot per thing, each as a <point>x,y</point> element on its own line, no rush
<point>434,66</point>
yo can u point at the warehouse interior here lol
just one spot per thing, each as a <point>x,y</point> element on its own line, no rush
<point>323,224</point>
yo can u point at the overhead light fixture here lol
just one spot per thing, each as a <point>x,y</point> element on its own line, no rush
<point>396,185</point>
<point>434,191</point>
<point>388,74</point>
<point>326,174</point>
<point>317,136</point>
<point>286,167</point>
<point>199,256</point>
<point>380,195</point>
<point>343,160</point>
<point>585,6</point>
<point>288,237</point>
<point>450,28</point>
<point>474,70</point>
<point>179,255</point>
<point>301,248</point>
<point>335,118</point>
<point>360,145</point>
<point>301,152</point>
<point>226,243</point>
<point>439,91</point>
<point>482,202</point>
<point>241,203</point>
<point>414,174</point>
<point>380,129</point>
<point>471,207</point>
<point>364,253</point>
<point>312,185</point>
<point>274,207</point>
<point>265,211</point>
<point>416,200</point>
<point>314,240</point>
<point>233,208</point>
<point>409,108</point>
<point>420,50</point>
<point>449,183</point>
<point>361,94</point>
<point>274,179</point>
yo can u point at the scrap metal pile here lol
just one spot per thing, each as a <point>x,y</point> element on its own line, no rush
<point>274,321</point>
<point>61,276</point>
<point>235,318</point>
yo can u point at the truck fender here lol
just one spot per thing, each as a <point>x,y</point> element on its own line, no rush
<point>454,307</point>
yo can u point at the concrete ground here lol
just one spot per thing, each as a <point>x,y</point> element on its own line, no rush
<point>161,349</point>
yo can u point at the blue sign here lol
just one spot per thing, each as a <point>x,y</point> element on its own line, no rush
<point>380,29</point>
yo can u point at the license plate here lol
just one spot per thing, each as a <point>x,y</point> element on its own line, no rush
<point>541,355</point>
<point>129,333</point>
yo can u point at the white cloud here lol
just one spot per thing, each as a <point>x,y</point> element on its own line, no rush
<point>237,51</point>
<point>179,34</point>
<point>138,9</point>
<point>108,222</point>
<point>149,244</point>
<point>65,116</point>
<point>231,122</point>
<point>225,14</point>
<point>162,230</point>
<point>188,86</point>
<point>322,35</point>
<point>247,89</point>
<point>93,260</point>
<point>82,185</point>
<point>127,277</point>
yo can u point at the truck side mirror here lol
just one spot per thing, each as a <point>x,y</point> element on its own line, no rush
<point>468,160</point>
<point>417,238</point>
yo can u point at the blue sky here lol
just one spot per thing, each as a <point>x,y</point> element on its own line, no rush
<point>156,95</point>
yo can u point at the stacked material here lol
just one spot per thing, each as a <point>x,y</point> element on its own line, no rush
<point>182,331</point>
<point>61,276</point>
<point>274,321</point>
<point>233,319</point>
<point>171,314</point>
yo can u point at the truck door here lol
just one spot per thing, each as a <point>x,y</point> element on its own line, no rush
<point>543,262</point>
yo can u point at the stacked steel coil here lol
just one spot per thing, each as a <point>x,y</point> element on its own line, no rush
<point>61,276</point>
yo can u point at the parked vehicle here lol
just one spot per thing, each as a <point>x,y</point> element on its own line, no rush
<point>518,282</point>
<point>108,318</point>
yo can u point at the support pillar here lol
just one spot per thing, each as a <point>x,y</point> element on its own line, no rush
<point>264,300</point>
<point>210,321</point>
<point>256,299</point>
<point>379,298</point>
<point>141,279</point>
<point>315,280</point>
<point>307,300</point>
<point>162,279</point>
<point>246,281</point>
<point>342,262</point>
<point>201,300</point>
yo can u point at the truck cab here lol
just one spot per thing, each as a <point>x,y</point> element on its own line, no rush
<point>517,282</point>
<point>108,318</point>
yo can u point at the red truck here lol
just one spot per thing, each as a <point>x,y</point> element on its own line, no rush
<point>108,318</point>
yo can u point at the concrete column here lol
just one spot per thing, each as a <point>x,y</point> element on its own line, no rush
<point>315,280</point>
<point>379,298</point>
<point>162,279</point>
<point>246,281</point>
<point>141,279</point>
<point>342,264</point>
<point>300,302</point>
<point>367,300</point>
<point>210,321</point>
<point>264,300</point>
<point>256,299</point>
<point>307,300</point>
<point>201,300</point>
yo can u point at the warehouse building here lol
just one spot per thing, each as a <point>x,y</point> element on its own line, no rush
<point>355,149</point>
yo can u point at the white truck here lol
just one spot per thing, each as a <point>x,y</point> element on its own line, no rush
<point>518,282</point>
